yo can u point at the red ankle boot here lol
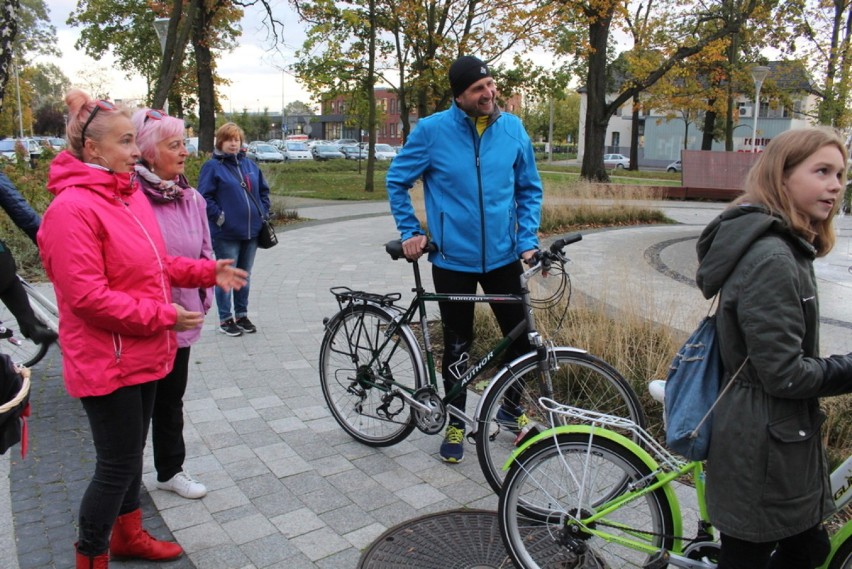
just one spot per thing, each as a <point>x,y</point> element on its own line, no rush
<point>87,562</point>
<point>130,540</point>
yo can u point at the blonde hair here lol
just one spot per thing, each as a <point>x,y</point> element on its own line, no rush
<point>765,181</point>
<point>80,109</point>
<point>228,131</point>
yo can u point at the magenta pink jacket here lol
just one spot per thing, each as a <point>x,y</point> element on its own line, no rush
<point>101,246</point>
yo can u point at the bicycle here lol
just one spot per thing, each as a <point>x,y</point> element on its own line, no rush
<point>380,384</point>
<point>22,350</point>
<point>583,493</point>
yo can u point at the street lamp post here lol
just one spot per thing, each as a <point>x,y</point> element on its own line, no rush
<point>758,73</point>
<point>161,26</point>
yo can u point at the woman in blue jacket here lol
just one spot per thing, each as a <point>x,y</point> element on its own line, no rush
<point>237,201</point>
<point>483,203</point>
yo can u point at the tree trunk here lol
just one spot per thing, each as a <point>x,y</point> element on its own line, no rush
<point>597,111</point>
<point>9,23</point>
<point>176,42</point>
<point>206,88</point>
<point>709,127</point>
<point>634,135</point>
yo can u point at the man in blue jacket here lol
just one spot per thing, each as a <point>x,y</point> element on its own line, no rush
<point>12,293</point>
<point>483,204</point>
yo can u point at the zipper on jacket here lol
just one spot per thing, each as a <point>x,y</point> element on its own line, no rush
<point>476,140</point>
<point>166,296</point>
<point>116,346</point>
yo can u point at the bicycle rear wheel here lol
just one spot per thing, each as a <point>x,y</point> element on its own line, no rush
<point>22,350</point>
<point>541,509</point>
<point>362,370</point>
<point>578,379</point>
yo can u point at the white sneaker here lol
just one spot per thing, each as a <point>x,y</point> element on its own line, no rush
<point>184,485</point>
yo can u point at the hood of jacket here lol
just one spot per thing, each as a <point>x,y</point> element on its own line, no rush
<point>726,239</point>
<point>68,171</point>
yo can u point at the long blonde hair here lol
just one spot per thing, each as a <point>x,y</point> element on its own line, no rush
<point>765,181</point>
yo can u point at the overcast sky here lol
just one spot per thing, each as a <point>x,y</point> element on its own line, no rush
<point>257,81</point>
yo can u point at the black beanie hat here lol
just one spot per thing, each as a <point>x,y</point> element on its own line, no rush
<point>465,71</point>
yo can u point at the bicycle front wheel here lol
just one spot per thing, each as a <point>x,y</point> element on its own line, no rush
<point>363,370</point>
<point>542,510</point>
<point>22,350</point>
<point>843,558</point>
<point>577,378</point>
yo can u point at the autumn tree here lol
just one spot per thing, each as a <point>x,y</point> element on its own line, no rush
<point>696,30</point>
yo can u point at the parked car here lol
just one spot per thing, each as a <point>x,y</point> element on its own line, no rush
<point>296,151</point>
<point>616,161</point>
<point>675,166</point>
<point>262,152</point>
<point>384,152</point>
<point>354,152</point>
<point>277,143</point>
<point>30,148</point>
<point>326,152</point>
<point>191,144</point>
<point>345,141</point>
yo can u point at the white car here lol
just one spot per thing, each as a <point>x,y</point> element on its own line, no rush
<point>675,166</point>
<point>616,161</point>
<point>262,152</point>
<point>294,150</point>
<point>384,152</point>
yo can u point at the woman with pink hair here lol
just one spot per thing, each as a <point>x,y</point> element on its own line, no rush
<point>182,216</point>
<point>101,246</point>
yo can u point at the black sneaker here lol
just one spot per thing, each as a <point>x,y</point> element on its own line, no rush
<point>230,328</point>
<point>245,325</point>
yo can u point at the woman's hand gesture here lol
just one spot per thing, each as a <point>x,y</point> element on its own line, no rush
<point>229,277</point>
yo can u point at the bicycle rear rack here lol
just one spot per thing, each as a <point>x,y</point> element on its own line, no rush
<point>346,295</point>
<point>595,420</point>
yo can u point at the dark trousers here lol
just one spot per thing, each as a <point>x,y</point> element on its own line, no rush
<point>457,318</point>
<point>803,551</point>
<point>119,423</point>
<point>13,295</point>
<point>167,420</point>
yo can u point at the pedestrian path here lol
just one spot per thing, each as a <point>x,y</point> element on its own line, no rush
<point>287,487</point>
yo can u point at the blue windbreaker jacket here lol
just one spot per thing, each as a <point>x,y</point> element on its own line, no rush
<point>483,194</point>
<point>219,183</point>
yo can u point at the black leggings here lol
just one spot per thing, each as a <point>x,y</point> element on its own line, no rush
<point>13,295</point>
<point>119,423</point>
<point>457,317</point>
<point>802,551</point>
<point>167,421</point>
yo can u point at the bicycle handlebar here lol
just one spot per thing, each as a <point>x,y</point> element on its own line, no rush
<point>394,248</point>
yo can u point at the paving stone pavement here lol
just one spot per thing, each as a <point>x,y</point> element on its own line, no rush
<point>288,488</point>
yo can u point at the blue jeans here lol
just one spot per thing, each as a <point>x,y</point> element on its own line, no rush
<point>242,252</point>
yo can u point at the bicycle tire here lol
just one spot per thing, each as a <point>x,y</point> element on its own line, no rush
<point>22,350</point>
<point>540,500</point>
<point>580,379</point>
<point>843,558</point>
<point>355,378</point>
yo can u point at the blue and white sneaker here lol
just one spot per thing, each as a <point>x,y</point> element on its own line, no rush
<point>452,449</point>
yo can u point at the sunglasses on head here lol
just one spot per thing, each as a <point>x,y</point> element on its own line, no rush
<point>156,114</point>
<point>100,104</point>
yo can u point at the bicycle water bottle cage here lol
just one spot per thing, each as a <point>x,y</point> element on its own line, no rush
<point>346,295</point>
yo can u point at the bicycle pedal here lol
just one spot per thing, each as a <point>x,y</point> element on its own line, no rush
<point>659,560</point>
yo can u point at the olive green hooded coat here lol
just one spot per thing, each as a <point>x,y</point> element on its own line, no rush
<point>767,476</point>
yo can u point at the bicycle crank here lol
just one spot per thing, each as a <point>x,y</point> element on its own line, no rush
<point>430,415</point>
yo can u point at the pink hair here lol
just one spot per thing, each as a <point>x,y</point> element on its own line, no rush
<point>80,108</point>
<point>150,134</point>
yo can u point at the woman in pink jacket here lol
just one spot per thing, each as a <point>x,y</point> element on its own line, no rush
<point>182,214</point>
<point>102,248</point>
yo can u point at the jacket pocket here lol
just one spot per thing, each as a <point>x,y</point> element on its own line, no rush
<point>794,458</point>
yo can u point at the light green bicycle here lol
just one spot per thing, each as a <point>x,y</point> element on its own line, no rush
<point>582,496</point>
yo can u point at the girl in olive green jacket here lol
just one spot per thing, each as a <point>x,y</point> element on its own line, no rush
<point>767,478</point>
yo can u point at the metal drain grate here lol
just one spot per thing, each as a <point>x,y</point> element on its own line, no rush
<point>458,539</point>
